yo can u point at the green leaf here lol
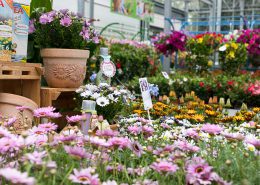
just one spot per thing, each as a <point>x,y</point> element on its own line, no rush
<point>39,4</point>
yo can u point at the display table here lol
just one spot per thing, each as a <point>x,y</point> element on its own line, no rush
<point>22,79</point>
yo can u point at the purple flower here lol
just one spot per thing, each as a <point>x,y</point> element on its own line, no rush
<point>16,177</point>
<point>253,141</point>
<point>120,142</point>
<point>93,77</point>
<point>84,176</point>
<point>64,11</point>
<point>75,119</point>
<point>135,130</point>
<point>95,40</point>
<point>31,26</point>
<point>66,21</point>
<point>45,19</point>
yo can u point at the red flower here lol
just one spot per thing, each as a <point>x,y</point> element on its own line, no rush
<point>231,83</point>
<point>118,65</point>
<point>219,85</point>
<point>201,84</point>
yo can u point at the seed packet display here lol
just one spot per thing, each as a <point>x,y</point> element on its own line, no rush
<point>6,19</point>
<point>20,31</point>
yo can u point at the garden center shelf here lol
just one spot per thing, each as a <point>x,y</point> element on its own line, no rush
<point>22,79</point>
<point>48,95</point>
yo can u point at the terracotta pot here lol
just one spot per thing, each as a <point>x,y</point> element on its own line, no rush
<point>64,68</point>
<point>8,104</point>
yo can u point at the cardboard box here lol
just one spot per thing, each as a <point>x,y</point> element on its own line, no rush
<point>21,19</point>
<point>6,19</point>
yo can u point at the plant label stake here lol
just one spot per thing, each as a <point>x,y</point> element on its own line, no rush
<point>107,68</point>
<point>144,86</point>
<point>165,75</point>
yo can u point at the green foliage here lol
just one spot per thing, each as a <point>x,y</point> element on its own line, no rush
<point>134,61</point>
<point>47,4</point>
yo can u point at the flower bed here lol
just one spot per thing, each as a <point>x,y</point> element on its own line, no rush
<point>188,152</point>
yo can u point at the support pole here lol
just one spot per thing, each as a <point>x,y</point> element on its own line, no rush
<point>81,7</point>
<point>242,7</point>
<point>219,8</point>
<point>167,30</point>
<point>91,10</point>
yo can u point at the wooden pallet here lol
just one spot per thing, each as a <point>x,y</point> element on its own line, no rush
<point>23,79</point>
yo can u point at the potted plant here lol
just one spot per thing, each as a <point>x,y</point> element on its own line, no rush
<point>232,56</point>
<point>63,38</point>
<point>200,51</point>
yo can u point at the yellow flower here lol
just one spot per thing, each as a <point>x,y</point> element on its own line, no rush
<point>234,45</point>
<point>251,147</point>
<point>231,54</point>
<point>200,40</point>
<point>210,63</point>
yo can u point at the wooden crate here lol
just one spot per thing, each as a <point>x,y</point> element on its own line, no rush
<point>23,79</point>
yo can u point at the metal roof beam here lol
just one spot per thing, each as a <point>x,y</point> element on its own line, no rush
<point>209,2</point>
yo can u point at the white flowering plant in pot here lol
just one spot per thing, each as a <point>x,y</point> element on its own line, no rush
<point>109,100</point>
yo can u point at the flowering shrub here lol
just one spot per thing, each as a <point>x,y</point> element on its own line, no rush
<point>109,100</point>
<point>200,50</point>
<point>168,44</point>
<point>133,58</point>
<point>252,39</point>
<point>62,29</point>
<point>232,56</point>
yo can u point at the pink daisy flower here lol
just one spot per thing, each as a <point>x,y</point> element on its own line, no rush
<point>10,121</point>
<point>9,145</point>
<point>253,141</point>
<point>233,136</point>
<point>211,129</point>
<point>192,133</point>
<point>4,132</point>
<point>96,141</point>
<point>185,146</point>
<point>107,133</point>
<point>136,148</point>
<point>48,127</point>
<point>147,130</point>
<point>37,131</point>
<point>75,119</point>
<point>46,112</point>
<point>22,108</point>
<point>36,157</point>
<point>84,176</point>
<point>164,167</point>
<point>135,130</point>
<point>76,152</point>
<point>198,171</point>
<point>119,142</point>
<point>16,177</point>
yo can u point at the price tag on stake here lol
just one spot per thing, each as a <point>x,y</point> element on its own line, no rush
<point>144,86</point>
<point>107,67</point>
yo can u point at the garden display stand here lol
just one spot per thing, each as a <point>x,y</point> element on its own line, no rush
<point>62,100</point>
<point>22,79</point>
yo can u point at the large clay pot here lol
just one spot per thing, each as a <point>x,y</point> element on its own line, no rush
<point>8,104</point>
<point>64,68</point>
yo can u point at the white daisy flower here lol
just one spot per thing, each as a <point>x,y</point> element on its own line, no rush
<point>102,101</point>
<point>86,93</point>
<point>95,95</point>
<point>91,87</point>
<point>79,90</point>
